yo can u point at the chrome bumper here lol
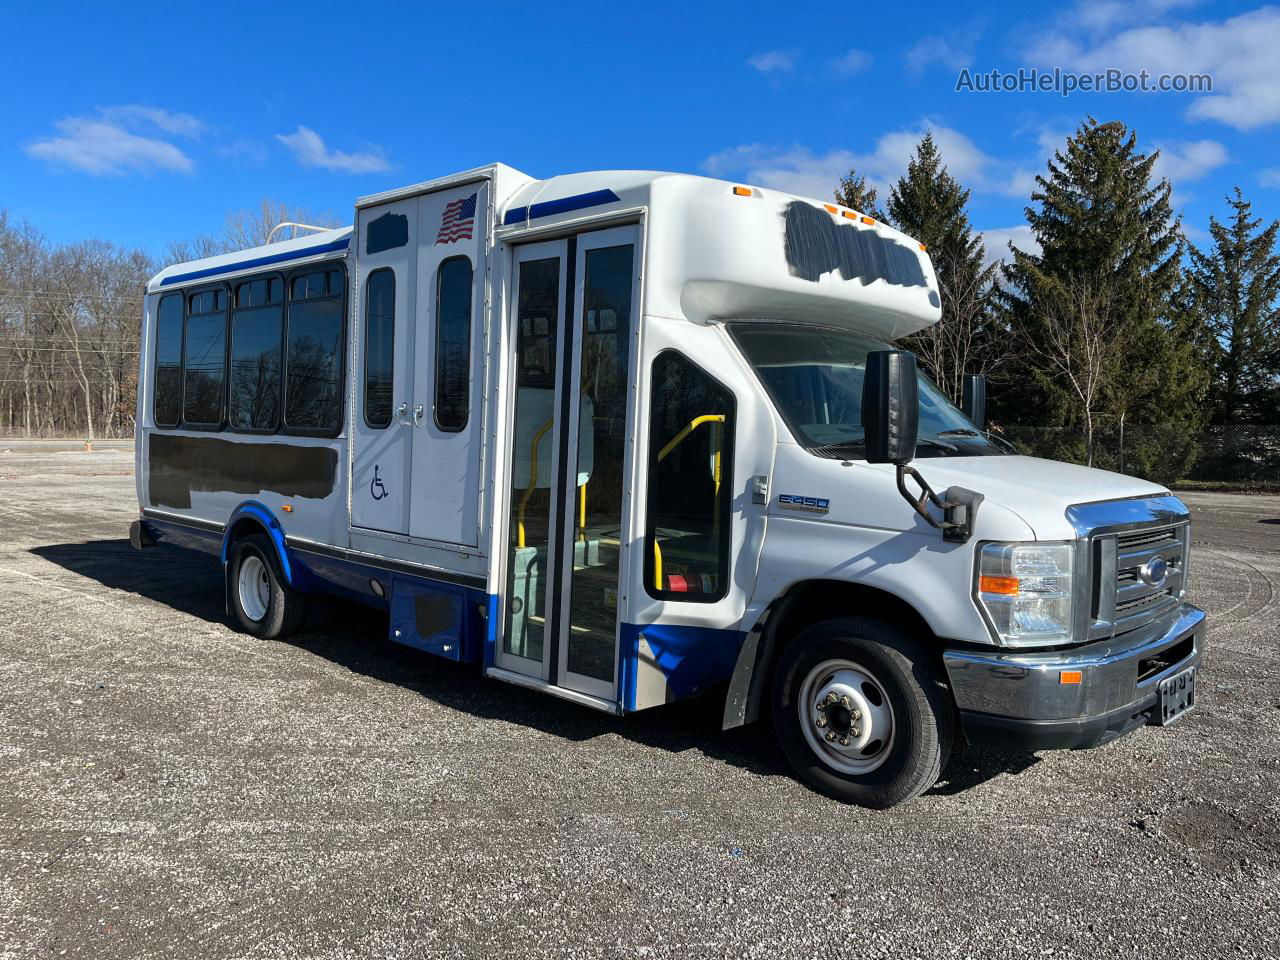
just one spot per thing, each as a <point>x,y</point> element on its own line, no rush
<point>1018,698</point>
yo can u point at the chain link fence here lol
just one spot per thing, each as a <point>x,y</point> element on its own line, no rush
<point>113,432</point>
<point>1246,454</point>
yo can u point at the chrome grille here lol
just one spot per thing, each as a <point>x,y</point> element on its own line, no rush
<point>1124,543</point>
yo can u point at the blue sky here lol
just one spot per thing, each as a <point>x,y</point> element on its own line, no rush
<point>144,123</point>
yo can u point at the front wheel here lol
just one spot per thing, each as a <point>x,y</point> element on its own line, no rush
<point>264,603</point>
<point>860,712</point>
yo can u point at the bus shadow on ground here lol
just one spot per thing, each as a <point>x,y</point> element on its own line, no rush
<point>356,638</point>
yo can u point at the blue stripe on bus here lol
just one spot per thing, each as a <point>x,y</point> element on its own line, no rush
<point>257,262</point>
<point>549,208</point>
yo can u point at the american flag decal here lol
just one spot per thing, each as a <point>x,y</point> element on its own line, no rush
<point>458,220</point>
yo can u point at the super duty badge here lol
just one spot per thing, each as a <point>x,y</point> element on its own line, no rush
<point>791,501</point>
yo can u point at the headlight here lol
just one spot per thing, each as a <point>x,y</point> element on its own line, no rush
<point>1026,591</point>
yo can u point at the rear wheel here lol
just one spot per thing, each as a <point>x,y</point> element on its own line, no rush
<point>860,712</point>
<point>264,603</point>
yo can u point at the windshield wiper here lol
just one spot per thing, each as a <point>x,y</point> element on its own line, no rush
<point>940,444</point>
<point>959,432</point>
<point>832,450</point>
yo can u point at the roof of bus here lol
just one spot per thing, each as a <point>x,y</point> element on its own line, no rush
<point>300,250</point>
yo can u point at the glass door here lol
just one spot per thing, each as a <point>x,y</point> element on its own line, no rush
<point>573,325</point>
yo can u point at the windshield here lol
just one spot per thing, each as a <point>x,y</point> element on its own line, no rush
<point>814,375</point>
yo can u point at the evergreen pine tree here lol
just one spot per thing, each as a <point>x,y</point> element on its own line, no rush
<point>855,193</point>
<point>928,204</point>
<point>1102,223</point>
<point>1237,286</point>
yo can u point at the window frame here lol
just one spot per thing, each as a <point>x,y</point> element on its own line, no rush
<point>364,406</point>
<point>188,293</point>
<point>339,264</point>
<point>155,358</point>
<point>231,312</point>
<point>471,301</point>
<point>725,545</point>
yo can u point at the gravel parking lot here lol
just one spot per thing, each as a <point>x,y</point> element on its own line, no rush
<point>173,788</point>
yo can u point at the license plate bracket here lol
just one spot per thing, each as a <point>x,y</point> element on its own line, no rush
<point>1177,696</point>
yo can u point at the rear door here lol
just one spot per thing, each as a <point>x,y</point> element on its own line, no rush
<point>385,304</point>
<point>448,374</point>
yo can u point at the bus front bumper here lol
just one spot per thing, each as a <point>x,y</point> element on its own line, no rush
<point>1082,697</point>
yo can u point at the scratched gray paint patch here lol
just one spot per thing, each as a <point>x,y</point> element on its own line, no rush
<point>386,232</point>
<point>816,244</point>
<point>179,464</point>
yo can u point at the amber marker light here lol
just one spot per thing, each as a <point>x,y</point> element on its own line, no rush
<point>742,191</point>
<point>848,215</point>
<point>869,220</point>
<point>287,508</point>
<point>1007,586</point>
<point>830,209</point>
<point>923,248</point>
<point>1071,678</point>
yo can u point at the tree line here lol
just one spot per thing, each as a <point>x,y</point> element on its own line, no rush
<point>70,317</point>
<point>1116,318</point>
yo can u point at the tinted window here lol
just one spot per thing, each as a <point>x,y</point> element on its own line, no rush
<point>168,365</point>
<point>379,343</point>
<point>453,343</point>
<point>204,358</point>
<point>254,399</point>
<point>313,357</point>
<point>690,483</point>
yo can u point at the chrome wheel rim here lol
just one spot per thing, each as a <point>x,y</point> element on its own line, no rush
<point>254,588</point>
<point>847,718</point>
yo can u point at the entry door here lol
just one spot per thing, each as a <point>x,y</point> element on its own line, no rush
<point>573,314</point>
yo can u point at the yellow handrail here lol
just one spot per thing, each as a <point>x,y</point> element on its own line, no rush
<point>533,481</point>
<point>678,439</point>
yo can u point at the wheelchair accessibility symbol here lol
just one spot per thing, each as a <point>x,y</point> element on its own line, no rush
<point>376,488</point>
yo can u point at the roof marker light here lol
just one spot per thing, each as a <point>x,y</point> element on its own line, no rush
<point>742,191</point>
<point>830,208</point>
<point>848,214</point>
<point>869,220</point>
<point>923,247</point>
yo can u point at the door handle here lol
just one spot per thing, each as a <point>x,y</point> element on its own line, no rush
<point>402,411</point>
<point>417,415</point>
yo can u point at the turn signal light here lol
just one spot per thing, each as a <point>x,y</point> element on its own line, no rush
<point>1071,677</point>
<point>1002,585</point>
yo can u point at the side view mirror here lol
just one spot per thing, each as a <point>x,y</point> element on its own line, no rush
<point>974,404</point>
<point>890,407</point>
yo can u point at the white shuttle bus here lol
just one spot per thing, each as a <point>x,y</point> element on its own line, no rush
<point>630,437</point>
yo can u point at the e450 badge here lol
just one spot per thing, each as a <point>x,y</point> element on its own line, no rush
<point>791,501</point>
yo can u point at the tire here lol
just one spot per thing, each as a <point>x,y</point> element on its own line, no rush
<point>264,604</point>
<point>859,661</point>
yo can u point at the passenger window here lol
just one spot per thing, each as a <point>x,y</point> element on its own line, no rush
<point>453,343</point>
<point>379,346</point>
<point>691,429</point>
<point>204,359</point>
<point>255,356</point>
<point>313,355</point>
<point>167,406</point>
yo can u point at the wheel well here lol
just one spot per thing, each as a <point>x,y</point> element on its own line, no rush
<point>242,528</point>
<point>813,601</point>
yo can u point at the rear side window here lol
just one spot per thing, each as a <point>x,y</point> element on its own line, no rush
<point>453,344</point>
<point>256,322</point>
<point>204,358</point>
<point>379,346</point>
<point>690,495</point>
<point>313,354</point>
<point>167,405</point>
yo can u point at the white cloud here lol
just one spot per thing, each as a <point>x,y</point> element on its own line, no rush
<point>137,115</point>
<point>855,61</point>
<point>1182,162</point>
<point>311,151</point>
<point>775,61</point>
<point>1269,177</point>
<point>996,243</point>
<point>801,171</point>
<point>954,53</point>
<point>1101,16</point>
<point>104,147</point>
<point>1239,53</point>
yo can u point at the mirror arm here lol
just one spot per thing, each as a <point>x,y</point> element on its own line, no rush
<point>959,506</point>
